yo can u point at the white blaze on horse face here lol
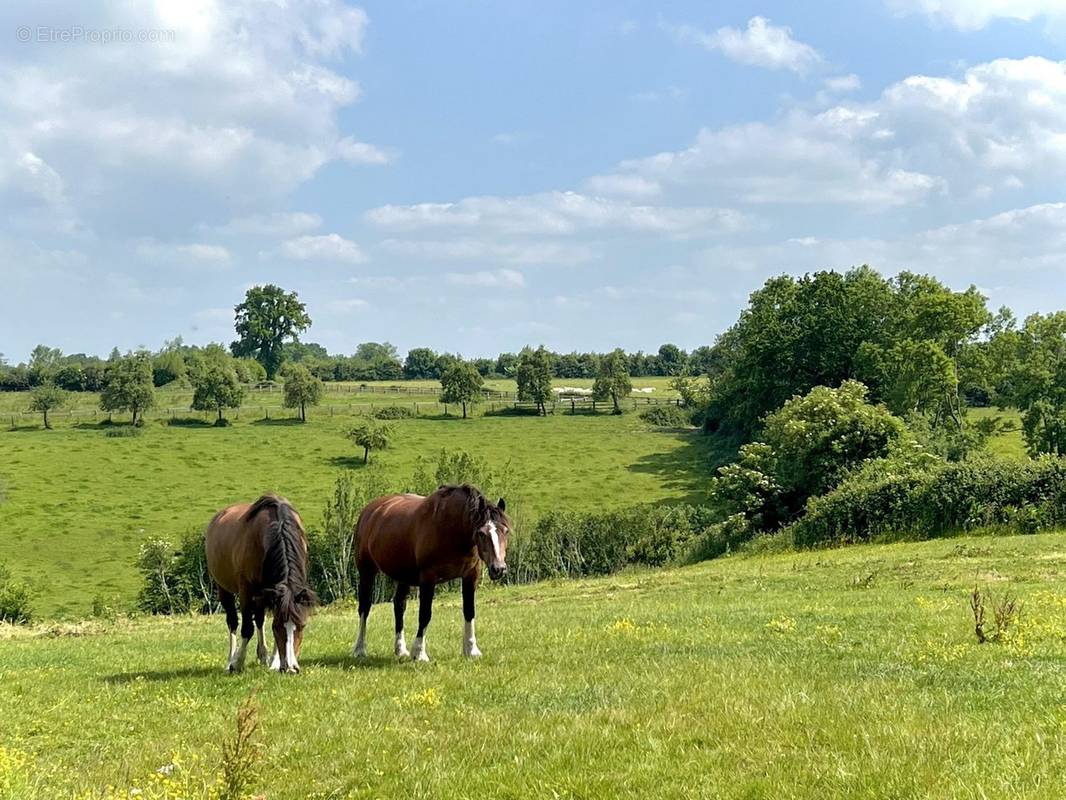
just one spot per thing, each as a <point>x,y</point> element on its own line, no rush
<point>290,646</point>
<point>359,651</point>
<point>470,641</point>
<point>495,537</point>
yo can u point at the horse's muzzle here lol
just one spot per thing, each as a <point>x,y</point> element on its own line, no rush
<point>497,573</point>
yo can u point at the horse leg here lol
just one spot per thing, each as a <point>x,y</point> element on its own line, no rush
<point>229,603</point>
<point>260,637</point>
<point>366,599</point>
<point>469,640</point>
<point>236,663</point>
<point>399,605</point>
<point>425,612</point>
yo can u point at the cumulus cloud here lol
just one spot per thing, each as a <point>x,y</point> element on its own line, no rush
<point>469,249</point>
<point>500,278</point>
<point>328,247</point>
<point>971,15</point>
<point>761,44</point>
<point>843,83</point>
<point>554,213</point>
<point>1002,123</point>
<point>235,111</point>
<point>198,252</point>
<point>279,223</point>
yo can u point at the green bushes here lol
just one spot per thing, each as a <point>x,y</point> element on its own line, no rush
<point>667,416</point>
<point>15,599</point>
<point>939,500</point>
<point>395,412</point>
<point>571,545</point>
<point>175,579</point>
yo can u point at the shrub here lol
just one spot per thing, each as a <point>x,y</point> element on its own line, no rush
<point>15,599</point>
<point>175,579</point>
<point>395,412</point>
<point>939,500</point>
<point>667,416</point>
<point>720,538</point>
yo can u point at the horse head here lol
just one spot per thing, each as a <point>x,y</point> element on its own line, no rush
<point>291,607</point>
<point>494,528</point>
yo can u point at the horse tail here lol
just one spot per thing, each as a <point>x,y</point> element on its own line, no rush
<point>284,560</point>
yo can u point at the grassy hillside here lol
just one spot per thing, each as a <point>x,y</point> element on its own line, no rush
<point>79,503</point>
<point>840,674</point>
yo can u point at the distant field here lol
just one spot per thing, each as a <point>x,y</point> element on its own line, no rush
<point>79,503</point>
<point>338,395</point>
<point>851,673</point>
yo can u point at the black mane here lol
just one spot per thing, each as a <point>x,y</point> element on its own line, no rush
<point>285,561</point>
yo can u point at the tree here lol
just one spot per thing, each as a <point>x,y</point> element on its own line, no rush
<point>302,389</point>
<point>421,362</point>
<point>534,377</point>
<point>461,383</point>
<point>44,361</point>
<point>672,360</point>
<point>215,383</point>
<point>371,434</point>
<point>613,379</point>
<point>129,385</point>
<point>264,321</point>
<point>1038,382</point>
<point>167,367</point>
<point>47,397</point>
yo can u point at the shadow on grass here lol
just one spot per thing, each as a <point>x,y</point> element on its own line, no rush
<point>188,422</point>
<point>25,428</point>
<point>280,421</point>
<point>347,661</point>
<point>688,469</point>
<point>346,462</point>
<point>153,676</point>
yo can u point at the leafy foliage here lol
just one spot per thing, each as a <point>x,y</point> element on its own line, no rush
<point>47,397</point>
<point>15,599</point>
<point>667,416</point>
<point>534,378</point>
<point>215,382</point>
<point>268,317</point>
<point>613,381</point>
<point>461,383</point>
<point>129,385</point>
<point>302,389</point>
<point>371,434</point>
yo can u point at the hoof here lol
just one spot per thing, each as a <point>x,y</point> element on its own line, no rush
<point>402,652</point>
<point>473,652</point>
<point>359,652</point>
<point>234,668</point>
<point>422,657</point>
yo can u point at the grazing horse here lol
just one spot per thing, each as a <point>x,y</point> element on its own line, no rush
<point>422,541</point>
<point>258,552</point>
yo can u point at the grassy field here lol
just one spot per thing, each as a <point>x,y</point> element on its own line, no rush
<point>78,503</point>
<point>839,674</point>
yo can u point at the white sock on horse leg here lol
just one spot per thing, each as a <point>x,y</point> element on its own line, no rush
<point>470,641</point>
<point>419,652</point>
<point>401,645</point>
<point>236,663</point>
<point>275,660</point>
<point>359,651</point>
<point>232,649</point>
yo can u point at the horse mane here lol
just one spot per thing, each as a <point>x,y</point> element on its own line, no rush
<point>284,560</point>
<point>475,507</point>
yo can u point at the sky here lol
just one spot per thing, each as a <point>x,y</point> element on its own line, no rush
<point>479,175</point>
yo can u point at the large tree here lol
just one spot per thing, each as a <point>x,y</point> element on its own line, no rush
<point>613,379</point>
<point>268,317</point>
<point>461,383</point>
<point>421,362</point>
<point>534,376</point>
<point>215,383</point>
<point>129,385</point>
<point>302,389</point>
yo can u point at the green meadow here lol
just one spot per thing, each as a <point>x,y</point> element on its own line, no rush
<point>831,674</point>
<point>77,503</point>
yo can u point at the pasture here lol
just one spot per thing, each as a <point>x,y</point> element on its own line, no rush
<point>801,675</point>
<point>78,503</point>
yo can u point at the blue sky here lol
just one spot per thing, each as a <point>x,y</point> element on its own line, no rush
<point>478,176</point>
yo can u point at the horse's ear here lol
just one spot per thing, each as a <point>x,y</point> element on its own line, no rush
<point>502,505</point>
<point>307,597</point>
<point>481,502</point>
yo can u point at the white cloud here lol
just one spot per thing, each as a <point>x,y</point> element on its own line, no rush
<point>279,224</point>
<point>500,278</point>
<point>190,252</point>
<point>841,84</point>
<point>1001,123</point>
<point>634,186</point>
<point>236,111</point>
<point>555,213</point>
<point>466,249</point>
<point>347,304</point>
<point>761,44</point>
<point>328,247</point>
<point>971,15</point>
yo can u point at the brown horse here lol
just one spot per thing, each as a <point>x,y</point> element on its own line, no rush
<point>422,541</point>
<point>258,552</point>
